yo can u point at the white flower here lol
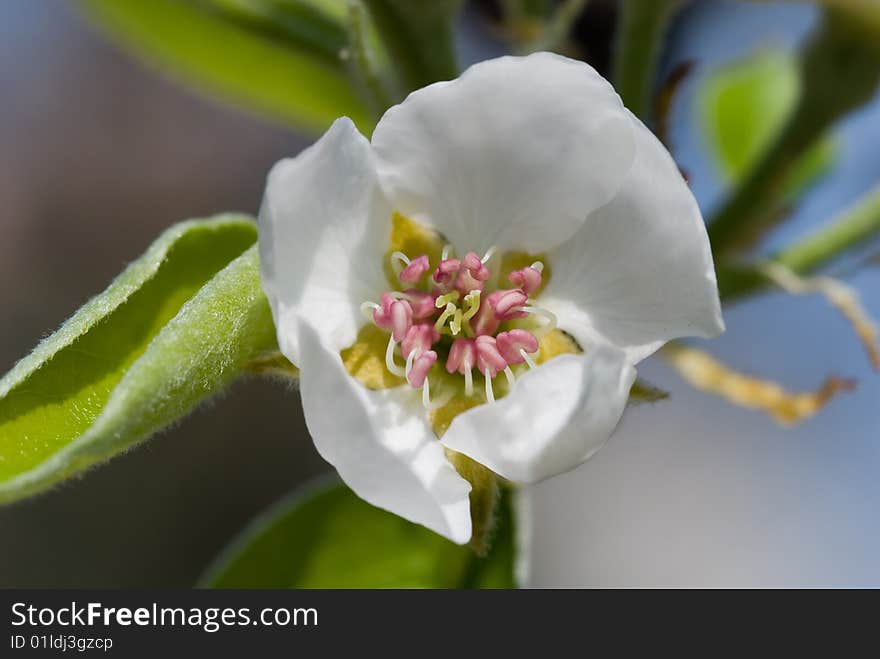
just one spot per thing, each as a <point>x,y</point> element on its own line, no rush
<point>532,155</point>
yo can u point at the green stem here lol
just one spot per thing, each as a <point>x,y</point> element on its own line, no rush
<point>363,65</point>
<point>857,224</point>
<point>516,11</point>
<point>641,30</point>
<point>840,69</point>
<point>851,228</point>
<point>558,27</point>
<point>419,39</point>
<point>513,11</point>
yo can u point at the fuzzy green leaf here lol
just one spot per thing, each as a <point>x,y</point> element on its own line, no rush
<point>264,55</point>
<point>326,537</point>
<point>744,106</point>
<point>175,326</point>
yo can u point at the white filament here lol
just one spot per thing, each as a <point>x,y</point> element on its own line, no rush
<point>490,394</point>
<point>396,259</point>
<point>409,362</point>
<point>426,393</point>
<point>367,309</point>
<point>389,359</point>
<point>548,316</point>
<point>469,382</point>
<point>438,402</point>
<point>511,379</point>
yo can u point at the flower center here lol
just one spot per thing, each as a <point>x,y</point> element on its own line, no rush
<point>455,317</point>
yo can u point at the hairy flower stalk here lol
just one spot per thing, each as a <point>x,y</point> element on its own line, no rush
<point>467,295</point>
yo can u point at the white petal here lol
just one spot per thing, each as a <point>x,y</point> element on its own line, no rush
<point>639,272</point>
<point>324,227</point>
<point>381,444</point>
<point>514,153</point>
<point>555,418</point>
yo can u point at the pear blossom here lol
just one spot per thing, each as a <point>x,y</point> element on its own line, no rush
<point>531,161</point>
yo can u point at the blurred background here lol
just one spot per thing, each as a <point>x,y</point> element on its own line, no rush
<point>100,154</point>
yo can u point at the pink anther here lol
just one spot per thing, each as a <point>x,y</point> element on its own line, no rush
<point>485,321</point>
<point>419,338</point>
<point>420,367</point>
<point>446,271</point>
<point>422,303</point>
<point>506,303</point>
<point>510,343</point>
<point>475,267</point>
<point>462,356</point>
<point>395,315</point>
<point>472,276</point>
<point>489,360</point>
<point>416,269</point>
<point>401,319</point>
<point>417,324</point>
<point>382,315</point>
<point>528,279</point>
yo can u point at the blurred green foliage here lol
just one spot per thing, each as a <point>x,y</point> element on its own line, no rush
<point>327,537</point>
<point>744,105</point>
<point>275,56</point>
<point>838,72</point>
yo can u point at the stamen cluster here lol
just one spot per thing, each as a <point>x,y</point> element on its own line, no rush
<point>450,312</point>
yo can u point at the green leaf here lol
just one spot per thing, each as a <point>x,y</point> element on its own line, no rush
<point>744,106</point>
<point>316,26</point>
<point>262,54</point>
<point>175,326</point>
<point>326,537</point>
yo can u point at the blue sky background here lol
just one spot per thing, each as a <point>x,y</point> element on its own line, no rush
<point>695,491</point>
